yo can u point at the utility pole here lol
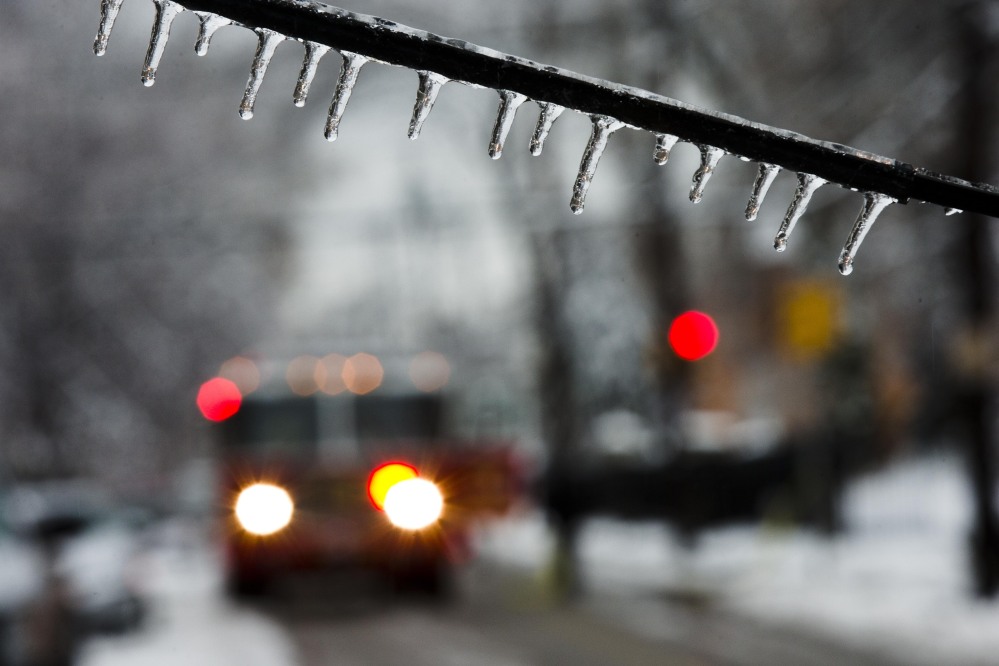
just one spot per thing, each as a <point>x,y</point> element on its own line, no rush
<point>980,57</point>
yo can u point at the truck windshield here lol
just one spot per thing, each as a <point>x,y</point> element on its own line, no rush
<point>297,426</point>
<point>276,426</point>
<point>398,417</point>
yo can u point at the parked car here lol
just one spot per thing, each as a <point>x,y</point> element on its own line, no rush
<point>22,580</point>
<point>90,550</point>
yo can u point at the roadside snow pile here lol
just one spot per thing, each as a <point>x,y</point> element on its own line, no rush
<point>896,583</point>
<point>191,622</point>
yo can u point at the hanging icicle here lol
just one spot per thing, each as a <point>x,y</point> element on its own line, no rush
<point>313,54</point>
<point>549,114</point>
<point>764,179</point>
<point>267,43</point>
<point>664,144</point>
<point>509,103</point>
<point>603,127</point>
<point>874,204</point>
<point>109,12</point>
<point>166,12</point>
<point>351,67</point>
<point>807,185</point>
<point>210,24</point>
<point>710,157</point>
<point>426,95</point>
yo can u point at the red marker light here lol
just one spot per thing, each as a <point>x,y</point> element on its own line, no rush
<point>218,399</point>
<point>693,335</point>
<point>384,477</point>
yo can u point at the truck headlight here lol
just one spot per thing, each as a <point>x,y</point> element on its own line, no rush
<point>264,509</point>
<point>414,504</point>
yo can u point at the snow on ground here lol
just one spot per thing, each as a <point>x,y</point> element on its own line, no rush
<point>897,583</point>
<point>191,622</point>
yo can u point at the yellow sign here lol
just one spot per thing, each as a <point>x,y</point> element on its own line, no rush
<point>809,318</point>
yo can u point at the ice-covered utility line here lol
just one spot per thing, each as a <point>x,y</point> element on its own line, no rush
<point>359,38</point>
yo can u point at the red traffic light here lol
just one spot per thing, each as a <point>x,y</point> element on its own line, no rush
<point>218,399</point>
<point>693,335</point>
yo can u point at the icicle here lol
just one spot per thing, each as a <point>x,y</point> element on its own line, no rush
<point>267,42</point>
<point>764,179</point>
<point>603,127</point>
<point>352,64</point>
<point>109,12</point>
<point>509,103</point>
<point>952,211</point>
<point>549,114</point>
<point>874,203</point>
<point>710,157</point>
<point>313,54</point>
<point>210,24</point>
<point>807,185</point>
<point>430,86</point>
<point>166,12</point>
<point>664,144</point>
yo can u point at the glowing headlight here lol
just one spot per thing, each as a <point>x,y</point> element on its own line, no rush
<point>414,504</point>
<point>264,509</point>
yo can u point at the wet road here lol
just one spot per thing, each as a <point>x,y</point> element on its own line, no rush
<point>500,617</point>
<point>500,613</point>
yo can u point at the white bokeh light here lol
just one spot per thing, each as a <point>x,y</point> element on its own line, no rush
<point>414,504</point>
<point>264,509</point>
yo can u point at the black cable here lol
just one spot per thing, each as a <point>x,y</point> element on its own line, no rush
<point>360,38</point>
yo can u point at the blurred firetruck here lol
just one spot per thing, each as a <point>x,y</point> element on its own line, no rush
<point>361,475</point>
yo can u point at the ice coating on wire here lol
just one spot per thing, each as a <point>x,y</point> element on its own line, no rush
<point>360,38</point>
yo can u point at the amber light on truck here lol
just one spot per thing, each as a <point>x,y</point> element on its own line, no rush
<point>264,509</point>
<point>409,502</point>
<point>384,477</point>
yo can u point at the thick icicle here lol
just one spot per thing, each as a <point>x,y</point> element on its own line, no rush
<point>352,63</point>
<point>267,42</point>
<point>166,12</point>
<point>874,203</point>
<point>509,103</point>
<point>710,156</point>
<point>603,127</point>
<point>109,12</point>
<point>210,24</point>
<point>549,114</point>
<point>664,144</point>
<point>313,54</point>
<point>430,86</point>
<point>807,185</point>
<point>764,179</point>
